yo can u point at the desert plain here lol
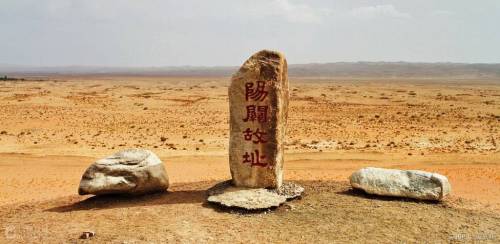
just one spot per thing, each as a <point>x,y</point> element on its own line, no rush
<point>53,128</point>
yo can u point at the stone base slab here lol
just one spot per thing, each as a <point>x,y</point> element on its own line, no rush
<point>227,195</point>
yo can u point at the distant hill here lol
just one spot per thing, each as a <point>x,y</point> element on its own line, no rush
<point>397,69</point>
<point>340,69</point>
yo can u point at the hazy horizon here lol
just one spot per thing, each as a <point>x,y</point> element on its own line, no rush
<point>153,33</point>
<point>3,65</point>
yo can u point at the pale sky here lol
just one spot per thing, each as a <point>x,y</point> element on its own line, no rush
<point>226,32</point>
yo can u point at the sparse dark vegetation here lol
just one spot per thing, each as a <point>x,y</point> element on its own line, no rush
<point>6,78</point>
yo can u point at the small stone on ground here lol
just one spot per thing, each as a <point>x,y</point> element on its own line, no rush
<point>87,234</point>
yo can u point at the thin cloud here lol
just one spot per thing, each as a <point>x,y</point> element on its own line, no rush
<point>379,11</point>
<point>298,13</point>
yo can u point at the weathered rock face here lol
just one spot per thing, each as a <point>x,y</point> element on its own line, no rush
<point>258,99</point>
<point>401,183</point>
<point>132,171</point>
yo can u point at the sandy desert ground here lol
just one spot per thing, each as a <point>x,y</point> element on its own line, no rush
<point>52,129</point>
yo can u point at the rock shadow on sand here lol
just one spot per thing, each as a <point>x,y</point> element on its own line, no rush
<point>124,201</point>
<point>362,194</point>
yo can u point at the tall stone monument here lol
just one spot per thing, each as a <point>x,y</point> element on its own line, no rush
<point>258,99</point>
<point>258,106</point>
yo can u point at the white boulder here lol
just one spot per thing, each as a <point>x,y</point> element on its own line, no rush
<point>132,171</point>
<point>401,183</point>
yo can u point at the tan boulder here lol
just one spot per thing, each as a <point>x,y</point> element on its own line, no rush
<point>130,172</point>
<point>258,99</point>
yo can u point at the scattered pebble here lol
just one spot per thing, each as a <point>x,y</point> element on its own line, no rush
<point>87,235</point>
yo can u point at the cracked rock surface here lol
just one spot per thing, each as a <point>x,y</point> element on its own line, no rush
<point>228,195</point>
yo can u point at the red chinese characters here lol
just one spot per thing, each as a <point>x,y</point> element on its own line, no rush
<point>256,94</point>
<point>256,136</point>
<point>255,113</point>
<point>254,159</point>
